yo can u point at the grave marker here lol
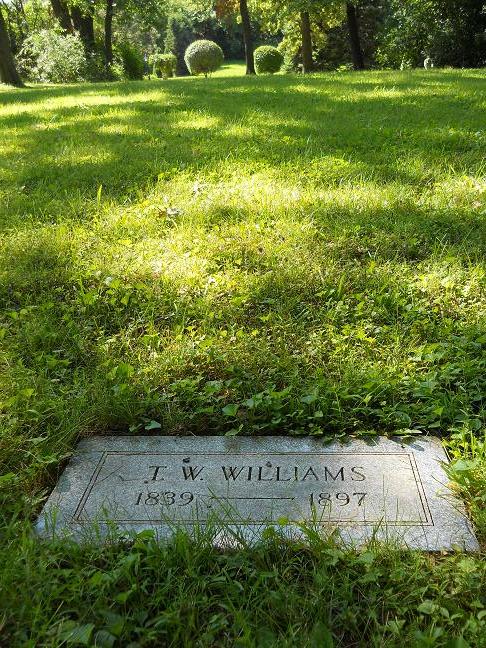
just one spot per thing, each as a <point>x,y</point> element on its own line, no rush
<point>394,490</point>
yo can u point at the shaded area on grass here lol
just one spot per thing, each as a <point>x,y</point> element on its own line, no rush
<point>189,593</point>
<point>336,131</point>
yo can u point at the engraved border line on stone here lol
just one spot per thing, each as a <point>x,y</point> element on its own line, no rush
<point>89,487</point>
<point>421,491</point>
<point>415,472</point>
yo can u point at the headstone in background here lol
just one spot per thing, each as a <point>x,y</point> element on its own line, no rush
<point>385,488</point>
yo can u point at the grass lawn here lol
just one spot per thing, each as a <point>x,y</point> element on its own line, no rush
<point>230,68</point>
<point>310,251</point>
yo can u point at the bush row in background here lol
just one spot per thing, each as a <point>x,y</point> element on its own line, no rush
<point>205,57</point>
<point>49,56</point>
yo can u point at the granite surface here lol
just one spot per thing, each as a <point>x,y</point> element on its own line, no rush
<point>240,485</point>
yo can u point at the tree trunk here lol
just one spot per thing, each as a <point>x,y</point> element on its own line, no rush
<point>61,12</point>
<point>356,51</point>
<point>247,37</point>
<point>8,71</point>
<point>305,30</point>
<point>109,33</point>
<point>83,24</point>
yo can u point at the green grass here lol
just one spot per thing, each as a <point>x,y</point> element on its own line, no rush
<point>311,595</point>
<point>309,250</point>
<point>230,69</point>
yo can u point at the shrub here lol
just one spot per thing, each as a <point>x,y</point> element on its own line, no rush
<point>96,66</point>
<point>163,65</point>
<point>268,59</point>
<point>451,33</point>
<point>203,57</point>
<point>50,57</point>
<point>132,61</point>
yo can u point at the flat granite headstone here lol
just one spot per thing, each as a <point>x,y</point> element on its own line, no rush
<point>385,489</point>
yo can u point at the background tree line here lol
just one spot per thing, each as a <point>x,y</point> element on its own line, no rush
<point>68,40</point>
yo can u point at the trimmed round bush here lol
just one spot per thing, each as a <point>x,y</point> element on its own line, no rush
<point>268,59</point>
<point>203,57</point>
